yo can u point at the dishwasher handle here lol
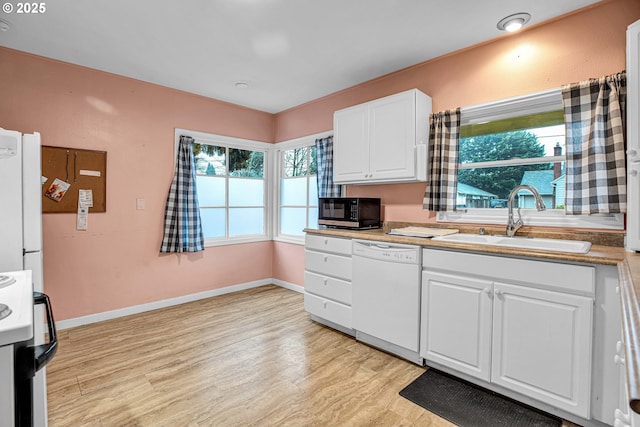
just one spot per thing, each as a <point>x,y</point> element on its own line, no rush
<point>387,252</point>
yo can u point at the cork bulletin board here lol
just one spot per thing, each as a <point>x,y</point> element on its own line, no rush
<point>80,170</point>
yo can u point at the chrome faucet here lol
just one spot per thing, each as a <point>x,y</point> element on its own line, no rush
<point>512,227</point>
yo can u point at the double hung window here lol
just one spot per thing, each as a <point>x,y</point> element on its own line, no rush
<point>511,142</point>
<point>232,188</point>
<point>298,204</point>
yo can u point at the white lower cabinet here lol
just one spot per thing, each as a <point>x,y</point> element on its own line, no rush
<point>456,322</point>
<point>542,345</point>
<point>327,280</point>
<point>491,320</point>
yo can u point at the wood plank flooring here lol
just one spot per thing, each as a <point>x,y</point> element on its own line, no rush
<point>252,358</point>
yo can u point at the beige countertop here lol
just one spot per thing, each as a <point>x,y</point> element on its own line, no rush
<point>628,264</point>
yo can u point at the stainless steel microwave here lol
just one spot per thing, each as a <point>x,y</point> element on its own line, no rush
<point>349,212</point>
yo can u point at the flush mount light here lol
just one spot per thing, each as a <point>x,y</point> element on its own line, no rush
<point>514,22</point>
<point>242,85</point>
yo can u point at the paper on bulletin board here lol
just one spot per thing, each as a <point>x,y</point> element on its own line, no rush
<point>85,198</point>
<point>85,201</point>
<point>83,218</point>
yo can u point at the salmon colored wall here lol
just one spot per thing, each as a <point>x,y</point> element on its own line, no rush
<point>116,262</point>
<point>588,43</point>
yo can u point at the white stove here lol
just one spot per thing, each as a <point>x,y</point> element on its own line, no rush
<point>17,295</point>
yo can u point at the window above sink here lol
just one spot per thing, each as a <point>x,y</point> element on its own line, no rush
<point>510,142</point>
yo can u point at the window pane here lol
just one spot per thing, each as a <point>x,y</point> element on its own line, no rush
<point>313,218</point>
<point>246,163</point>
<point>213,222</point>
<point>210,159</point>
<point>313,165</point>
<point>490,187</point>
<point>293,221</point>
<point>244,221</point>
<point>211,191</point>
<point>294,162</point>
<point>313,190</point>
<point>246,192</point>
<point>294,192</point>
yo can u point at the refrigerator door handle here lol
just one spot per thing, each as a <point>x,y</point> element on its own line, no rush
<point>45,352</point>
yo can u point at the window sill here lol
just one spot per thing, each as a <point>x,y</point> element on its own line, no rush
<point>531,217</point>
<point>294,240</point>
<point>234,240</point>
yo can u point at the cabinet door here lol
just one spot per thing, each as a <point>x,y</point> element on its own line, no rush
<point>542,345</point>
<point>351,147</point>
<point>392,137</point>
<point>456,323</point>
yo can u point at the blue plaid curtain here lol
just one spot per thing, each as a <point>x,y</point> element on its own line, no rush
<point>324,159</point>
<point>182,226</point>
<point>594,117</point>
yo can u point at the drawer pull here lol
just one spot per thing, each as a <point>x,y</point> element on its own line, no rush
<point>326,259</point>
<point>325,281</point>
<point>618,360</point>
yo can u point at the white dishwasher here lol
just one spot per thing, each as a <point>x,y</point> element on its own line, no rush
<point>386,297</point>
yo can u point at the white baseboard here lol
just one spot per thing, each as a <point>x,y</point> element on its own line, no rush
<point>121,312</point>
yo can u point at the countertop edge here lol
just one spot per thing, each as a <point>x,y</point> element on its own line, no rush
<point>630,310</point>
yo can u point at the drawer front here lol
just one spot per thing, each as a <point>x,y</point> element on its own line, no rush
<point>332,311</point>
<point>561,277</point>
<point>328,244</point>
<point>328,287</point>
<point>338,266</point>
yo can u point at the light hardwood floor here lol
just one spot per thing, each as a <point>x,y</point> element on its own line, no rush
<point>252,358</point>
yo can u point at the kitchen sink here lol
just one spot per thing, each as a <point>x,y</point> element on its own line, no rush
<point>555,245</point>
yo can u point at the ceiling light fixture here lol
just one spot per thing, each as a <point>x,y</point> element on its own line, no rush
<point>242,85</point>
<point>513,22</point>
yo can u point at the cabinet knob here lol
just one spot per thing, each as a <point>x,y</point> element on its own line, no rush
<point>618,360</point>
<point>325,282</point>
<point>487,291</point>
<point>326,259</point>
<point>631,152</point>
<point>633,172</point>
<point>498,292</point>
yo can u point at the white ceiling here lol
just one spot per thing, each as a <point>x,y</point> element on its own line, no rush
<point>288,51</point>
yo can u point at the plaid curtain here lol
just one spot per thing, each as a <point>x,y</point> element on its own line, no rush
<point>182,227</point>
<point>324,159</point>
<point>594,116</point>
<point>444,141</point>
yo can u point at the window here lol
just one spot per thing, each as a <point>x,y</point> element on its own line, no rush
<point>497,156</point>
<point>511,142</point>
<point>296,199</point>
<point>298,204</point>
<point>232,188</point>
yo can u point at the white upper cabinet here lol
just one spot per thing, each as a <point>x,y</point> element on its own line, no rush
<point>384,140</point>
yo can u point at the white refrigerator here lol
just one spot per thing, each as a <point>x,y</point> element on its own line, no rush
<point>21,231</point>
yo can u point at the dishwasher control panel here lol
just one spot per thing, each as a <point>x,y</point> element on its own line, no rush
<point>406,254</point>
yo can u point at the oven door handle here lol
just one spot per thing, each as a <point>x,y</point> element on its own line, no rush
<point>45,352</point>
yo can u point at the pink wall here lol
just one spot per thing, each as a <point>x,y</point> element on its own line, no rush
<point>116,262</point>
<point>588,43</point>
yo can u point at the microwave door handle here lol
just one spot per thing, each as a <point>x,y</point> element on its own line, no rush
<point>45,352</point>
